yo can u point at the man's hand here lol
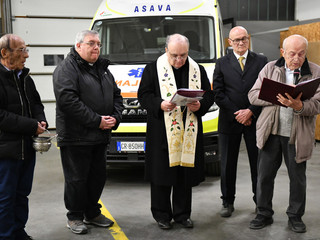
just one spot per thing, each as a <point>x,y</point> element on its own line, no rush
<point>107,122</point>
<point>167,106</point>
<point>296,103</point>
<point>243,116</point>
<point>194,106</point>
<point>41,127</point>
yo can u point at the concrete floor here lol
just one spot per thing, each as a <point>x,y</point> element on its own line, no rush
<point>126,196</point>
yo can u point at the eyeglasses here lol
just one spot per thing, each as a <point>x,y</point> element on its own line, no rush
<point>176,57</point>
<point>93,44</point>
<point>238,40</point>
<point>22,50</point>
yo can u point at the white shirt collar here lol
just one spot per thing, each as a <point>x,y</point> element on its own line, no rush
<point>245,55</point>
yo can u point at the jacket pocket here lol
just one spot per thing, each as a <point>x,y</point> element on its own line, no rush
<point>264,124</point>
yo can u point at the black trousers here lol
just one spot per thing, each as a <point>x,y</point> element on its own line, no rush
<point>84,169</point>
<point>161,206</point>
<point>229,148</point>
<point>270,160</point>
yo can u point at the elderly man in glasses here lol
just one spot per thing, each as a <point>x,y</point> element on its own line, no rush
<point>89,106</point>
<point>21,117</point>
<point>174,146</point>
<point>285,131</point>
<point>233,77</point>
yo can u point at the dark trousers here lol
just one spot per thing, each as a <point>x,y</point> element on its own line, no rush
<point>229,148</point>
<point>161,206</point>
<point>16,178</point>
<point>84,169</point>
<point>270,159</point>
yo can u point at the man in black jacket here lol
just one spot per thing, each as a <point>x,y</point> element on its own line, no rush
<point>21,117</point>
<point>233,77</point>
<point>88,106</point>
<point>174,146</point>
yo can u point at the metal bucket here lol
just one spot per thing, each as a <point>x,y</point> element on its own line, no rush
<point>42,143</point>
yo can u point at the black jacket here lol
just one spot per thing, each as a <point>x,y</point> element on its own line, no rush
<point>157,158</point>
<point>231,87</point>
<point>83,94</point>
<point>19,115</point>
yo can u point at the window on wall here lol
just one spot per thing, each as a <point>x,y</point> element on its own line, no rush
<point>52,60</point>
<point>255,10</point>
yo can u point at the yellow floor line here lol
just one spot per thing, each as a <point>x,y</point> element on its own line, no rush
<point>115,230</point>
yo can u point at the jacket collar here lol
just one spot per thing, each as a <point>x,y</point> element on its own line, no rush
<point>101,62</point>
<point>8,73</point>
<point>305,70</point>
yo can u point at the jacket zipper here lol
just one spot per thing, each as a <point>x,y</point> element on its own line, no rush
<point>22,107</point>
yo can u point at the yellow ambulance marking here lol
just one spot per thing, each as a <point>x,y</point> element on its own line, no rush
<point>115,229</point>
<point>114,10</point>
<point>91,24</point>
<point>210,126</point>
<point>218,29</point>
<point>192,9</point>
<point>131,129</point>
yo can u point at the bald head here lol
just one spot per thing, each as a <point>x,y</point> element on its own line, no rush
<point>295,39</point>
<point>294,51</point>
<point>237,30</point>
<point>176,38</point>
<point>177,48</point>
<point>239,40</point>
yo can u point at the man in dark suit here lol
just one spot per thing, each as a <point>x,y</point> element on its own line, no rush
<point>233,77</point>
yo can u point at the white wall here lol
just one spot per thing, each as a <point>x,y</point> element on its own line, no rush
<point>307,9</point>
<point>47,22</point>
<point>72,8</point>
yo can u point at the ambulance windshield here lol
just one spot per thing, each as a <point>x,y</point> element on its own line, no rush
<point>142,39</point>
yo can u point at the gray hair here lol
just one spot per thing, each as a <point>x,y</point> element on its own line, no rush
<point>178,37</point>
<point>82,34</point>
<point>5,41</point>
<point>294,35</point>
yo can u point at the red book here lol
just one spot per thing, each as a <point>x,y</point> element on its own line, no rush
<point>270,89</point>
<point>185,95</point>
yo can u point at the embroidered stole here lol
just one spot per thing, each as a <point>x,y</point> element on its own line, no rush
<point>181,142</point>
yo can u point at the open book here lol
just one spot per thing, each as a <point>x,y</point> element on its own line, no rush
<point>185,95</point>
<point>270,89</point>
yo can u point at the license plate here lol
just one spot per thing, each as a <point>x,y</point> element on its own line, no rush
<point>131,146</point>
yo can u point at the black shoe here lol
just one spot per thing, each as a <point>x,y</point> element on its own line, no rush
<point>296,224</point>
<point>164,224</point>
<point>226,210</point>
<point>260,222</point>
<point>187,223</point>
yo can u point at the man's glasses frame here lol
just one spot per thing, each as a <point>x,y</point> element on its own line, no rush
<point>238,40</point>
<point>93,44</point>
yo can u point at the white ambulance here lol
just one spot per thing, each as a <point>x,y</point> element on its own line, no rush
<point>133,33</point>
